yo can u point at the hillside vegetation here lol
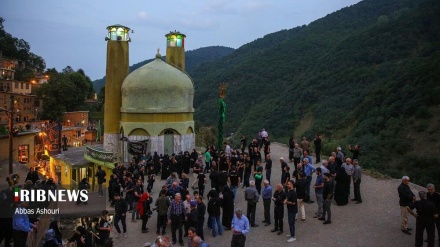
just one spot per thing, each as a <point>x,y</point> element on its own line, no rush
<point>368,74</point>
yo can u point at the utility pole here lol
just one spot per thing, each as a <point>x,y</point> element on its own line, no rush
<point>11,137</point>
<point>59,127</point>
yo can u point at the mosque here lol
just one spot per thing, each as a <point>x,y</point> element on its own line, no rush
<point>148,110</point>
<point>153,104</point>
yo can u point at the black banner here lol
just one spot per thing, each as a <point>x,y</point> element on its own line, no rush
<point>136,148</point>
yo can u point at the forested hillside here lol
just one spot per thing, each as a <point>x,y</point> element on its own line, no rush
<point>368,74</point>
<point>194,58</point>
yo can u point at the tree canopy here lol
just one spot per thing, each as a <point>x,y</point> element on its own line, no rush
<point>14,48</point>
<point>65,91</point>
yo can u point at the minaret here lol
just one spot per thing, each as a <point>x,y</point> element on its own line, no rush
<point>176,49</point>
<point>116,71</point>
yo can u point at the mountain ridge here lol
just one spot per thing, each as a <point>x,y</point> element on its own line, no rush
<point>365,74</point>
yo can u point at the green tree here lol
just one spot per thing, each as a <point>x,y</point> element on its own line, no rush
<point>65,91</point>
<point>19,49</point>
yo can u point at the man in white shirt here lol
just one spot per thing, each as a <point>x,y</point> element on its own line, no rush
<point>264,134</point>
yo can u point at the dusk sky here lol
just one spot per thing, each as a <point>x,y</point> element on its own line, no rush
<point>72,32</point>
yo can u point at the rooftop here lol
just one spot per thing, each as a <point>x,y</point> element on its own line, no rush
<point>73,156</point>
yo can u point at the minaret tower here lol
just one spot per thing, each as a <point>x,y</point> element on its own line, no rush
<point>116,71</point>
<point>176,49</point>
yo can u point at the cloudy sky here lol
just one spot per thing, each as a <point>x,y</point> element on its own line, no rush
<point>72,32</point>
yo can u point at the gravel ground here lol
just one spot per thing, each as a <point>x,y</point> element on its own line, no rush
<point>375,222</point>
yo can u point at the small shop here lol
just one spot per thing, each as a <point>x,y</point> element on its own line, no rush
<point>69,168</point>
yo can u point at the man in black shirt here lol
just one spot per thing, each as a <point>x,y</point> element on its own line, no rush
<point>234,180</point>
<point>266,147</point>
<point>213,176</point>
<point>222,180</point>
<point>291,147</point>
<point>201,210</point>
<point>301,192</point>
<point>100,175</point>
<point>286,173</point>
<point>138,190</point>
<point>292,209</point>
<point>434,197</point>
<point>120,214</point>
<point>327,194</point>
<point>278,198</point>
<point>201,184</point>
<point>243,144</point>
<point>268,167</point>
<point>283,164</point>
<point>104,227</point>
<point>355,151</point>
<point>317,143</point>
<point>426,214</point>
<point>129,192</point>
<point>406,197</point>
<point>247,171</point>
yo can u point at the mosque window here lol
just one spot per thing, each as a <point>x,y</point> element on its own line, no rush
<point>118,33</point>
<point>175,40</point>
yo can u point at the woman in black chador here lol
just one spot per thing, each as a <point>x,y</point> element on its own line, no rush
<point>342,188</point>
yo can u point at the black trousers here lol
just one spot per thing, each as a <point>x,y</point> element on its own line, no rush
<point>421,225</point>
<point>246,179</point>
<point>251,208</point>
<point>238,240</point>
<point>6,231</point>
<point>279,215</point>
<point>176,224</point>
<point>258,185</point>
<point>161,222</point>
<point>326,209</point>
<point>296,162</point>
<point>20,238</point>
<point>123,221</point>
<point>318,155</point>
<point>268,174</point>
<point>200,221</point>
<point>201,189</point>
<point>357,190</point>
<point>437,225</point>
<point>266,204</point>
<point>144,222</point>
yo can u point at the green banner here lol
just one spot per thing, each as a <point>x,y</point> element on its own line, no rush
<point>99,155</point>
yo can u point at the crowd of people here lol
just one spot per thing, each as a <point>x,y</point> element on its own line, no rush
<point>427,207</point>
<point>185,208</point>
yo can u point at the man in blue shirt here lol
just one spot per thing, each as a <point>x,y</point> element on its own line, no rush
<point>309,170</point>
<point>21,225</point>
<point>267,198</point>
<point>319,185</point>
<point>240,227</point>
<point>308,157</point>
